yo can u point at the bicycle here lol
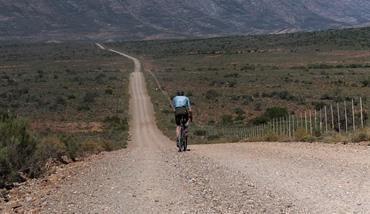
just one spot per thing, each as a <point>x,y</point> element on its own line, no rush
<point>183,138</point>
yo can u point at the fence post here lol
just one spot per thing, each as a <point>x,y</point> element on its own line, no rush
<point>338,111</point>
<point>305,119</point>
<point>353,116</point>
<point>345,115</point>
<point>310,122</point>
<point>302,121</point>
<point>332,117</point>
<point>259,131</point>
<point>315,120</point>
<point>326,119</point>
<point>362,114</point>
<point>320,121</point>
<point>289,131</point>
<point>293,123</point>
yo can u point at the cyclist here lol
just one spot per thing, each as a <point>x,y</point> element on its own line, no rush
<point>182,109</point>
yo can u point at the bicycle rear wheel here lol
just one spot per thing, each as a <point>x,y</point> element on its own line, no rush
<point>185,143</point>
<point>183,140</point>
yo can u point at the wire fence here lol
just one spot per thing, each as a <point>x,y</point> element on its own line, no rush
<point>347,116</point>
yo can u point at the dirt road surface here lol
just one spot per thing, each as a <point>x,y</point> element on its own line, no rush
<point>151,177</point>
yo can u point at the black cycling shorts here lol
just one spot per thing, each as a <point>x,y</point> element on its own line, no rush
<point>181,114</point>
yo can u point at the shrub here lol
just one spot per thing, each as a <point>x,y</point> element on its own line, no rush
<point>72,146</point>
<point>227,119</point>
<point>117,123</point>
<point>50,148</point>
<point>271,113</point>
<point>60,101</point>
<point>232,75</point>
<point>212,94</point>
<point>213,137</point>
<point>17,147</point>
<point>335,137</point>
<point>361,136</point>
<point>271,137</point>
<point>239,111</point>
<point>366,83</point>
<point>91,147</point>
<point>302,135</point>
<point>276,112</point>
<point>260,120</point>
<point>109,91</point>
<point>200,132</point>
<point>90,97</point>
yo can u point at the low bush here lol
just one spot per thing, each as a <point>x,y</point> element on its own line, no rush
<point>17,147</point>
<point>212,94</point>
<point>303,136</point>
<point>200,132</point>
<point>91,147</point>
<point>366,83</point>
<point>271,137</point>
<point>335,137</point>
<point>271,113</point>
<point>361,136</point>
<point>227,119</point>
<point>213,137</point>
<point>23,153</point>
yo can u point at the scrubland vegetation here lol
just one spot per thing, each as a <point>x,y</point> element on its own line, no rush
<point>236,81</point>
<point>59,103</point>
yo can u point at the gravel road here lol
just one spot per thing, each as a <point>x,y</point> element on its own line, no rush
<point>151,177</point>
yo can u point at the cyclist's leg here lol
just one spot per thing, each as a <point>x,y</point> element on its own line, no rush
<point>178,126</point>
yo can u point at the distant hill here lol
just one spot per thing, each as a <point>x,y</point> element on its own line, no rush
<point>152,19</point>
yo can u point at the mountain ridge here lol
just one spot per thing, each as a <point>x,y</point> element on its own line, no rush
<point>158,19</point>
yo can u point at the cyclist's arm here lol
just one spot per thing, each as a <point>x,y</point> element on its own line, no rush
<point>188,103</point>
<point>173,104</point>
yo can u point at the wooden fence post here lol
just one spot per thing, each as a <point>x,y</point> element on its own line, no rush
<point>311,131</point>
<point>293,121</point>
<point>305,119</point>
<point>289,128</point>
<point>353,116</point>
<point>302,121</point>
<point>315,120</point>
<point>362,113</point>
<point>320,121</point>
<point>332,117</point>
<point>345,115</point>
<point>339,127</point>
<point>326,119</point>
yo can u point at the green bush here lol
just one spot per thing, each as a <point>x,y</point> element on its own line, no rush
<point>212,94</point>
<point>17,147</point>
<point>23,153</point>
<point>361,136</point>
<point>271,113</point>
<point>276,112</point>
<point>91,147</point>
<point>366,83</point>
<point>49,148</point>
<point>227,119</point>
<point>200,132</point>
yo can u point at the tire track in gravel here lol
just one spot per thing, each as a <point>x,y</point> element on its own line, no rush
<point>151,177</point>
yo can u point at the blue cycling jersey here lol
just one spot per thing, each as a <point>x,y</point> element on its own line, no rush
<point>181,101</point>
